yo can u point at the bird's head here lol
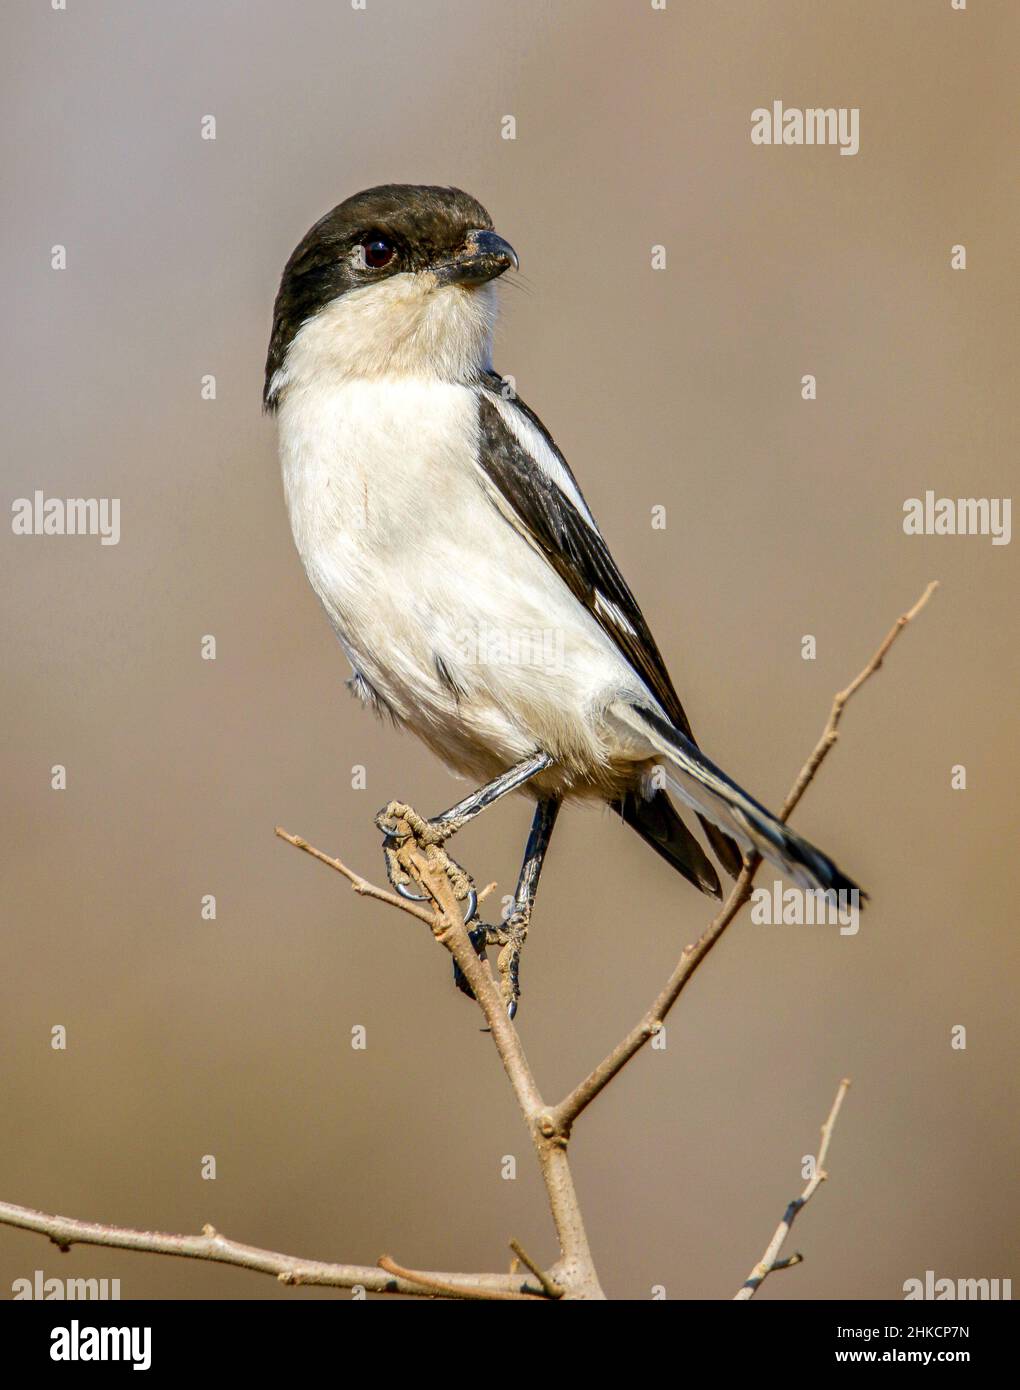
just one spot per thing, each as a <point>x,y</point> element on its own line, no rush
<point>394,281</point>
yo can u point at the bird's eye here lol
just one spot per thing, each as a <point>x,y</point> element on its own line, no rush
<point>378,252</point>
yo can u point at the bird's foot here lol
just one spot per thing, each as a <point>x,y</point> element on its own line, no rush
<point>509,937</point>
<point>400,823</point>
<point>399,820</point>
<point>514,933</point>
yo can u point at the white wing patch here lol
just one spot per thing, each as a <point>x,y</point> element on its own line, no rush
<point>535,444</point>
<point>613,612</point>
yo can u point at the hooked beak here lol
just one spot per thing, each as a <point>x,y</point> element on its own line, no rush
<point>485,256</point>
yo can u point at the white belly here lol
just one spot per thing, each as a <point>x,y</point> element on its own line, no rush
<point>452,619</point>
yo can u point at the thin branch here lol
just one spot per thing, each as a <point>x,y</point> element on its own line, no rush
<point>770,1261</point>
<point>829,733</point>
<point>64,1231</point>
<point>446,1287</point>
<point>360,885</point>
<point>691,957</point>
<point>582,1096</point>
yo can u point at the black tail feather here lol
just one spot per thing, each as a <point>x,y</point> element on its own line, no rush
<point>659,825</point>
<point>727,851</point>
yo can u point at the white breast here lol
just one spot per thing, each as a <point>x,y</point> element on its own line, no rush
<point>455,622</point>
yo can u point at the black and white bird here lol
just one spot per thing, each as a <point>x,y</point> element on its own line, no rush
<point>442,529</point>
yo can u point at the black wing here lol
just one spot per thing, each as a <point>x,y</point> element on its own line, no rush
<point>534,502</point>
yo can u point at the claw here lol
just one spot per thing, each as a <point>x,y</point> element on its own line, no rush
<point>472,908</point>
<point>405,892</point>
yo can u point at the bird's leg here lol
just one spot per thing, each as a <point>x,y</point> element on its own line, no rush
<point>512,932</point>
<point>440,828</point>
<point>516,922</point>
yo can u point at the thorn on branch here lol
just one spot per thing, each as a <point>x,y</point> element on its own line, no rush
<point>549,1285</point>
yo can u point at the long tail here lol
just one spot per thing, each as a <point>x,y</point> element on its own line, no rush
<point>696,781</point>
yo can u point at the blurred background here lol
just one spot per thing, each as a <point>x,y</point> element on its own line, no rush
<point>678,388</point>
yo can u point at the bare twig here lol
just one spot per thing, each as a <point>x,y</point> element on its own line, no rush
<point>446,1285</point>
<point>829,733</point>
<point>552,1289</point>
<point>360,885</point>
<point>691,957</point>
<point>770,1261</point>
<point>582,1095</point>
<point>64,1231</point>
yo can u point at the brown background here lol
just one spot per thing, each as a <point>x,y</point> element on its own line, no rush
<point>679,388</point>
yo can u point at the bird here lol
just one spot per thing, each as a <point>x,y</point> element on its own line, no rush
<point>462,570</point>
